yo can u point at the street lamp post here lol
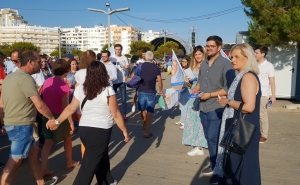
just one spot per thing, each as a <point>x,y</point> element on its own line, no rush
<point>108,13</point>
<point>165,32</point>
<point>59,44</point>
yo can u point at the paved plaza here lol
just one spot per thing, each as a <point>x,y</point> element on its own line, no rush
<point>162,159</point>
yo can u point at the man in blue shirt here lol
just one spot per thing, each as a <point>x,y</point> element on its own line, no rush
<point>147,92</point>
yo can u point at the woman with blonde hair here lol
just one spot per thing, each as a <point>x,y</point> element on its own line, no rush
<point>244,89</point>
<point>193,134</point>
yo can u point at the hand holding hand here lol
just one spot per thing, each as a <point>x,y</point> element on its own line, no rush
<point>51,125</point>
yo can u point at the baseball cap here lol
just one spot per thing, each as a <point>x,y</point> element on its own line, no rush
<point>69,55</point>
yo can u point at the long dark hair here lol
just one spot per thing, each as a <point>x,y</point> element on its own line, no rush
<point>96,80</point>
<point>188,59</point>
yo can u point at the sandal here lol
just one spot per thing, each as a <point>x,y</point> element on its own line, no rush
<point>148,136</point>
<point>73,165</point>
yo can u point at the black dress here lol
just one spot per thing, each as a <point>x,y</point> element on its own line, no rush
<point>250,172</point>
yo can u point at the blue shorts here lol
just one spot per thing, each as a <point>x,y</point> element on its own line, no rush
<point>21,140</point>
<point>146,101</point>
<point>126,72</point>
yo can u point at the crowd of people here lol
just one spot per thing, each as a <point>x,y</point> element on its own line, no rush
<point>46,102</point>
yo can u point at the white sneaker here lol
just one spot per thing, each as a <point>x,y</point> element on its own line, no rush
<point>133,109</point>
<point>195,151</point>
<point>182,127</point>
<point>178,123</point>
<point>115,182</point>
<point>181,123</point>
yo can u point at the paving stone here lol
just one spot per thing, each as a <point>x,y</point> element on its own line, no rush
<point>162,159</point>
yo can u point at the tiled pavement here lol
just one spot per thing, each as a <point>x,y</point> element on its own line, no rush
<point>162,159</point>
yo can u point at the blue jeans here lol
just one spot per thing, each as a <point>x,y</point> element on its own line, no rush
<point>211,122</point>
<point>122,87</point>
<point>21,140</point>
<point>146,101</point>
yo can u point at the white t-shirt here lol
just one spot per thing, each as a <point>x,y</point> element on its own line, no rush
<point>38,77</point>
<point>140,61</point>
<point>266,70</point>
<point>80,76</point>
<point>122,61</point>
<point>95,113</point>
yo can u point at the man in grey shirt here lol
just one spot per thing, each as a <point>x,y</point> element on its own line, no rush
<point>215,77</point>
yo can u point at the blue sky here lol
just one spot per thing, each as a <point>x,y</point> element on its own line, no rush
<point>225,26</point>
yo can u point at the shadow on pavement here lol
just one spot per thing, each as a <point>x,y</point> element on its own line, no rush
<point>198,179</point>
<point>140,144</point>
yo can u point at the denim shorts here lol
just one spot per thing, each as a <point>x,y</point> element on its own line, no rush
<point>22,140</point>
<point>146,101</point>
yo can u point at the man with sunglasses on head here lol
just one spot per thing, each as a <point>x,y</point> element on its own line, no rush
<point>215,77</point>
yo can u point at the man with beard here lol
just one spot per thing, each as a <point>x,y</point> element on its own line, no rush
<point>215,77</point>
<point>20,101</point>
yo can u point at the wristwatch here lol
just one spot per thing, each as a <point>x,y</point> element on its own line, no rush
<point>228,102</point>
<point>57,122</point>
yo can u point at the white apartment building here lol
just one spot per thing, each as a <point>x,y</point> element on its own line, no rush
<point>10,17</point>
<point>123,35</point>
<point>44,37</point>
<point>80,38</point>
<point>150,35</point>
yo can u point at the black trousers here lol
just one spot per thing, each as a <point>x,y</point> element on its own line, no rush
<point>95,160</point>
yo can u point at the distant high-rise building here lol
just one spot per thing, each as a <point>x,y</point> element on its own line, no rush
<point>80,38</point>
<point>11,17</point>
<point>44,37</point>
<point>123,35</point>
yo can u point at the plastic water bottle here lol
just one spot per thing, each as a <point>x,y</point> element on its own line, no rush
<point>269,104</point>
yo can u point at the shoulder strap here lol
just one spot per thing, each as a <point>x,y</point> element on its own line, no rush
<point>83,102</point>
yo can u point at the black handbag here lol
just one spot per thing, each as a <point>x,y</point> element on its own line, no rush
<point>237,138</point>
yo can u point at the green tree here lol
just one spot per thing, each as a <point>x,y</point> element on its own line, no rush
<point>273,22</point>
<point>137,47</point>
<point>167,49</point>
<point>127,56</point>
<point>56,52</point>
<point>77,52</point>
<point>105,47</point>
<point>4,48</point>
<point>20,45</point>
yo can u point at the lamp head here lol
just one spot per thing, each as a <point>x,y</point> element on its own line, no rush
<point>107,4</point>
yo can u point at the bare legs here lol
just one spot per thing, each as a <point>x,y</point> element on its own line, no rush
<point>147,119</point>
<point>45,155</point>
<point>12,165</point>
<point>68,151</point>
